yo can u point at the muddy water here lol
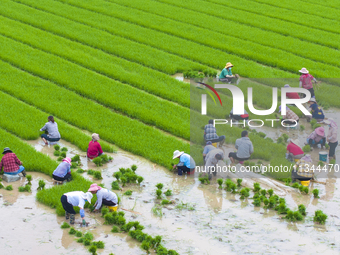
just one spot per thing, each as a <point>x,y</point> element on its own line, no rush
<point>219,224</point>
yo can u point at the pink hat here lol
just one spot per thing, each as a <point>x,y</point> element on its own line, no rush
<point>67,160</point>
<point>320,131</point>
<point>94,187</point>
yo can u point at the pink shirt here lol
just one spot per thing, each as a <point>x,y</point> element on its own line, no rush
<point>306,80</point>
<point>294,149</point>
<point>94,150</point>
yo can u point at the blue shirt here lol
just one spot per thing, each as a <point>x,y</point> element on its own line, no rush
<point>187,160</point>
<point>62,169</point>
<point>208,148</point>
<point>317,112</point>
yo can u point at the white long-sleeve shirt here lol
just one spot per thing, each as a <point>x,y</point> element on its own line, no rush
<point>107,195</point>
<point>75,198</point>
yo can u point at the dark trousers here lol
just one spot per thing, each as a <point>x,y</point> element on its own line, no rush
<point>107,202</point>
<point>311,90</point>
<point>66,205</point>
<point>311,142</point>
<point>49,139</point>
<point>220,139</point>
<point>287,122</point>
<point>295,176</point>
<point>237,117</point>
<point>332,147</point>
<point>61,179</point>
<point>184,169</point>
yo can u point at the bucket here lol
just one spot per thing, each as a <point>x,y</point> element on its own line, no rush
<point>323,156</point>
<point>305,183</point>
<point>215,145</point>
<point>113,208</point>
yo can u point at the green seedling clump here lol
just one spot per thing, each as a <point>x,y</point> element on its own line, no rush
<point>128,193</point>
<point>1,186</point>
<point>74,165</point>
<point>65,225</point>
<point>281,208</point>
<point>72,231</point>
<point>203,179</point>
<point>332,161</point>
<point>115,229</point>
<point>64,149</point>
<point>316,193</point>
<point>56,153</point>
<point>145,246</point>
<point>117,175</point>
<point>63,154</point>
<point>327,147</point>
<point>21,189</point>
<point>296,185</point>
<point>244,193</point>
<point>60,158</point>
<point>257,202</point>
<point>115,185</point>
<point>90,172</point>
<point>80,171</point>
<point>79,234</point>
<point>270,192</point>
<point>76,158</point>
<point>29,177</point>
<point>97,175</point>
<point>88,236</point>
<point>257,187</point>
<point>104,211</point>
<point>320,217</point>
<point>97,161</point>
<point>134,168</point>
<point>9,187</point>
<point>301,187</point>
<point>80,240</point>
<point>306,148</point>
<point>168,193</point>
<point>305,190</point>
<point>41,184</point>
<point>302,127</point>
<point>99,244</point>
<point>288,181</point>
<point>302,209</point>
<point>57,147</point>
<point>165,202</point>
<point>239,181</point>
<point>220,182</point>
<point>93,249</point>
<point>87,242</point>
<point>27,188</point>
<point>263,192</point>
<point>321,164</point>
<point>140,179</point>
<point>159,193</point>
<point>159,186</point>
<point>124,180</point>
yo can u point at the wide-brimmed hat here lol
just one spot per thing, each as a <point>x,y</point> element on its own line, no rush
<point>296,142</point>
<point>304,70</point>
<point>286,86</point>
<point>6,150</point>
<point>87,196</point>
<point>228,65</point>
<point>67,160</point>
<point>94,187</point>
<point>95,137</point>
<point>177,153</point>
<point>312,100</point>
<point>320,131</point>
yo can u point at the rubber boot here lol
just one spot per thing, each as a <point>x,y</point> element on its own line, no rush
<point>72,218</point>
<point>23,173</point>
<point>67,215</point>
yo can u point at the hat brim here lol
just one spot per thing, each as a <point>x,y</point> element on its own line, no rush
<point>179,154</point>
<point>93,189</point>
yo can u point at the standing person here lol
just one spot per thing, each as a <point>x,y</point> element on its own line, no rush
<point>208,147</point>
<point>306,81</point>
<point>52,129</point>
<point>11,164</point>
<point>291,95</point>
<point>332,137</point>
<point>75,198</point>
<point>210,134</point>
<point>186,163</point>
<point>63,171</point>
<point>317,112</point>
<point>212,159</point>
<point>226,74</point>
<point>317,137</point>
<point>244,148</point>
<point>244,116</point>
<point>289,117</point>
<point>104,197</point>
<point>294,150</point>
<point>95,149</point>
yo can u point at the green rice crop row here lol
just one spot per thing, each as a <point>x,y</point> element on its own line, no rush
<point>114,67</point>
<point>95,38</point>
<point>244,48</point>
<point>126,133</point>
<point>216,57</point>
<point>306,7</point>
<point>29,120</point>
<point>254,20</point>
<point>133,102</point>
<point>329,3</point>
<point>299,16</point>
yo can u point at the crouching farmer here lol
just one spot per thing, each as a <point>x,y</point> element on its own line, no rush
<point>317,137</point>
<point>294,150</point>
<point>63,171</point>
<point>212,159</point>
<point>244,148</point>
<point>11,164</point>
<point>95,149</point>
<point>104,197</point>
<point>186,163</point>
<point>75,198</point>
<point>302,170</point>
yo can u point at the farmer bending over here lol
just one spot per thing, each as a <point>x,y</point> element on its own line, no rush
<point>186,163</point>
<point>212,159</point>
<point>75,198</point>
<point>294,150</point>
<point>226,74</point>
<point>12,165</point>
<point>289,117</point>
<point>94,150</point>
<point>63,171</point>
<point>302,170</point>
<point>52,129</point>
<point>317,137</point>
<point>208,147</point>
<point>210,134</point>
<point>104,197</point>
<point>244,148</point>
<point>332,137</point>
<point>317,112</point>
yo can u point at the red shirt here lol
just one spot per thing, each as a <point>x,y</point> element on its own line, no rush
<point>294,149</point>
<point>293,95</point>
<point>306,80</point>
<point>94,149</point>
<point>10,162</point>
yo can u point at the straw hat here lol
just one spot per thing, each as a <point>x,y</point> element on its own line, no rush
<point>94,187</point>
<point>320,131</point>
<point>6,150</point>
<point>177,153</point>
<point>228,65</point>
<point>67,160</point>
<point>296,142</point>
<point>304,71</point>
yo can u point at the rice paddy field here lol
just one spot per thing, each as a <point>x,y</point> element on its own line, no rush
<point>115,68</point>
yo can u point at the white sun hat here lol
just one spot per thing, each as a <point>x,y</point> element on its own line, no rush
<point>177,153</point>
<point>304,70</point>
